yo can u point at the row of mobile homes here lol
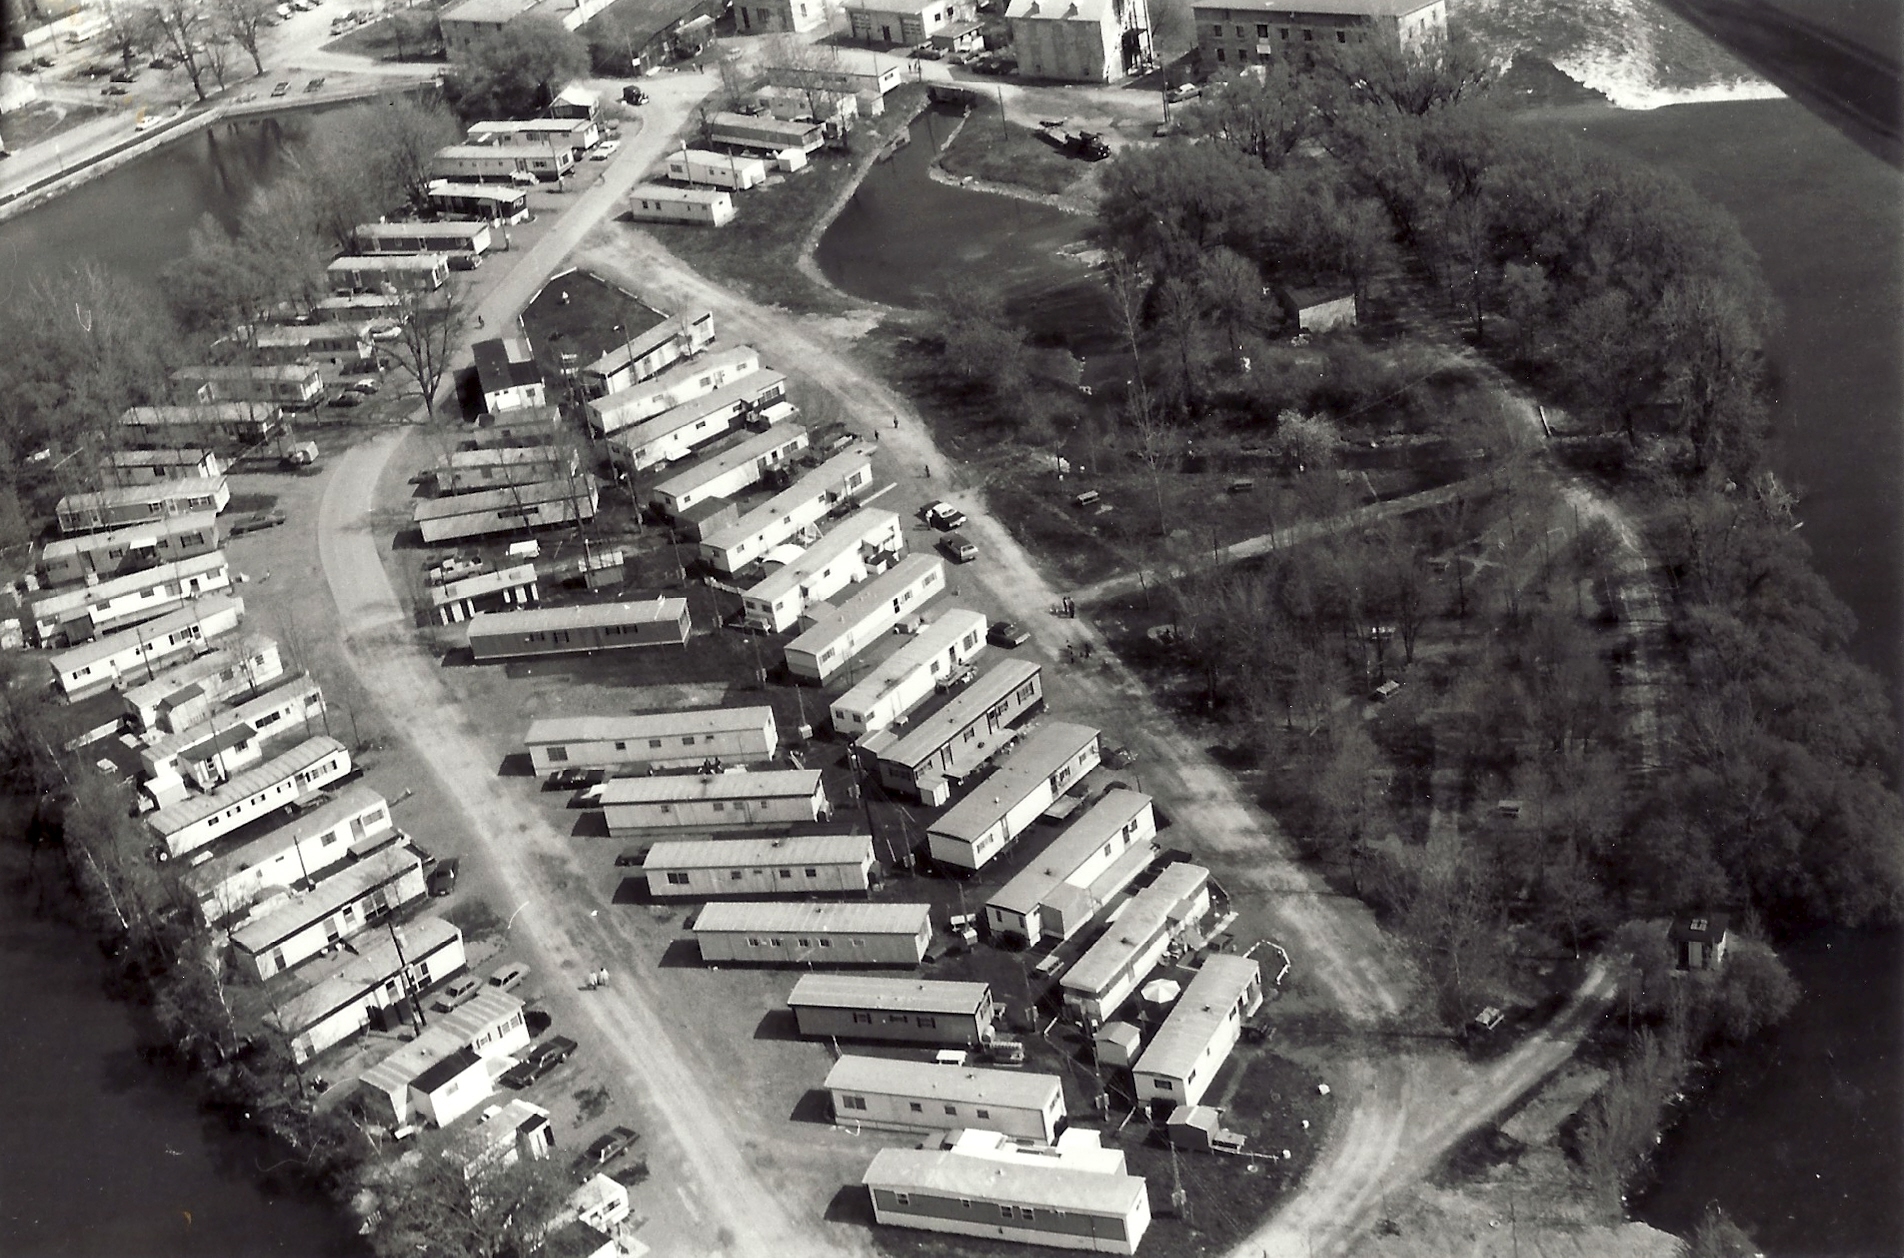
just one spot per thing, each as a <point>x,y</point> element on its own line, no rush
<point>142,504</point>
<point>432,237</point>
<point>298,773</point>
<point>951,743</point>
<point>296,703</point>
<point>714,801</point>
<point>801,864</point>
<point>94,666</point>
<point>1152,924</point>
<point>664,203</point>
<point>900,1010</point>
<point>377,308</point>
<point>431,1077</point>
<point>677,433</point>
<point>775,932</point>
<point>496,204</point>
<point>85,612</point>
<point>1195,1040</point>
<point>327,1002</point>
<point>142,467</point>
<point>1062,888</point>
<point>343,344</point>
<point>388,272</point>
<point>875,609</point>
<point>544,504</point>
<point>727,172</point>
<point>502,163</point>
<point>293,386</point>
<point>579,135</point>
<point>582,629</point>
<point>804,503</point>
<point>174,699</point>
<point>753,131</point>
<point>909,676</point>
<point>688,377</point>
<point>348,899</point>
<point>200,423</point>
<point>499,467</point>
<point>728,472</point>
<point>653,740</point>
<point>353,823</point>
<point>861,544</point>
<point>102,556</point>
<point>996,811</point>
<point>471,596</point>
<point>1077,1195</point>
<point>890,1094</point>
<point>647,354</point>
<point>507,374</point>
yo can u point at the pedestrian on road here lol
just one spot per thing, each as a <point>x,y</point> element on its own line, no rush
<point>895,421</point>
<point>479,321</point>
<point>928,471</point>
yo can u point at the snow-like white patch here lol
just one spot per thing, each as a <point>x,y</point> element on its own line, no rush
<point>1630,82</point>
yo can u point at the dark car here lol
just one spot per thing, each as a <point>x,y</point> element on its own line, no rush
<point>573,779</point>
<point>256,522</point>
<point>632,95</point>
<point>280,89</point>
<point>539,1060</point>
<point>1006,633</point>
<point>348,399</point>
<point>606,1148</point>
<point>442,878</point>
<point>633,856</point>
<point>124,76</point>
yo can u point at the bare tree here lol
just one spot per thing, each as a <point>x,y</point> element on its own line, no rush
<point>186,31</point>
<point>455,1197</point>
<point>242,21</point>
<point>431,326</point>
<point>128,28</point>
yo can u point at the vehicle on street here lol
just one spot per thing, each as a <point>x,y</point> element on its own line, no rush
<point>632,95</point>
<point>1006,633</point>
<point>125,76</point>
<point>256,522</point>
<point>1183,92</point>
<point>458,991</point>
<point>958,547</point>
<point>146,123</point>
<point>280,89</point>
<point>442,879</point>
<point>348,399</point>
<point>509,977</point>
<point>365,387</point>
<point>609,1146</point>
<point>113,89</point>
<point>942,515</point>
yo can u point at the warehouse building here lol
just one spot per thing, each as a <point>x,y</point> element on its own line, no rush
<point>647,354</point>
<point>1031,778</point>
<point>580,629</point>
<point>328,1001</point>
<point>864,542</point>
<point>294,703</point>
<point>187,694</point>
<point>136,546</point>
<point>888,1094</point>
<point>679,431</point>
<point>298,773</point>
<point>1062,888</point>
<point>900,1010</point>
<point>875,609</point>
<point>444,1073</point>
<point>714,801</point>
<point>142,504</point>
<point>653,740</point>
<point>349,899</point>
<point>1204,1025</point>
<point>801,864</point>
<point>1153,923</point>
<point>785,515</point>
<point>688,378</point>
<point>94,666</point>
<point>959,738</point>
<point>776,932</point>
<point>909,676</point>
<point>729,472</point>
<point>545,504</point>
<point>354,822</point>
<point>77,615</point>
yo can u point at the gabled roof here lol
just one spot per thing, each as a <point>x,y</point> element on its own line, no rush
<point>1202,1008</point>
<point>609,727</point>
<point>505,364</point>
<point>580,616</point>
<point>1036,758</point>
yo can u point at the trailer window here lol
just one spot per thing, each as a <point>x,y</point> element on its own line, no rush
<point>558,754</point>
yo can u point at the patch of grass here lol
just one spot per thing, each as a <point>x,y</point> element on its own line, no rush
<point>1009,154</point>
<point>385,40</point>
<point>476,920</point>
<point>577,313</point>
<point>44,119</point>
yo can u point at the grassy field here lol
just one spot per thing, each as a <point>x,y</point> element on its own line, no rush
<point>44,119</point>
<point>577,313</point>
<point>386,40</point>
<point>1007,153</point>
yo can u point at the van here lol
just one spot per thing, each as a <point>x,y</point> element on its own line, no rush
<point>632,857</point>
<point>958,547</point>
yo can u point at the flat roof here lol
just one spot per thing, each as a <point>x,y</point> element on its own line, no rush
<point>920,650</point>
<point>913,995</point>
<point>345,885</point>
<point>882,589</point>
<point>488,10</point>
<point>668,192</point>
<point>505,363</point>
<point>352,801</point>
<point>822,478</point>
<point>168,680</point>
<point>948,1173</point>
<point>299,686</point>
<point>622,726</point>
<point>312,992</point>
<point>446,1034</point>
<point>580,616</point>
<point>1146,913</point>
<point>761,122</point>
<point>204,606</point>
<point>532,494</point>
<point>196,808</point>
<point>724,461</point>
<point>691,787</point>
<point>793,849</point>
<point>882,918</point>
<point>501,126</point>
<point>151,491</point>
<point>1052,867</point>
<point>1198,1013</point>
<point>483,583</point>
<point>891,1076</point>
<point>510,456</point>
<point>928,735</point>
<point>842,539</point>
<point>504,152</point>
<point>475,191</point>
<point>130,535</point>
<point>1035,759</point>
<point>173,458</point>
<point>75,597</point>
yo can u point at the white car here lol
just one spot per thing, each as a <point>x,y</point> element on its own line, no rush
<point>605,150</point>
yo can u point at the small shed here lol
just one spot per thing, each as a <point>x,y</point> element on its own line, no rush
<point>1319,308</point>
<point>1118,1044</point>
<point>1699,940</point>
<point>1201,1127</point>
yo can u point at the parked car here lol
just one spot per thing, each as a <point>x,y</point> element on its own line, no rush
<point>928,51</point>
<point>113,89</point>
<point>347,399</point>
<point>942,515</point>
<point>539,1060</point>
<point>280,89</point>
<point>365,387</point>
<point>458,991</point>
<point>1119,757</point>
<point>605,150</point>
<point>1006,633</point>
<point>632,857</point>
<point>146,123</point>
<point>509,977</point>
<point>575,778</point>
<point>255,522</point>
<point>609,1146</point>
<point>958,547</point>
<point>124,76</point>
<point>442,879</point>
<point>1183,92</point>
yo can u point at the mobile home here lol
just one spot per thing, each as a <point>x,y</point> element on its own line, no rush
<point>142,467</point>
<point>501,590</point>
<point>501,163</point>
<point>201,819</point>
<point>130,548</point>
<point>341,344</point>
<point>1195,1040</point>
<point>677,432</point>
<point>432,237</point>
<point>861,544</point>
<point>663,203</point>
<point>730,471</point>
<point>653,740</point>
<point>293,386</point>
<point>874,609</point>
<point>1153,922</point>
<point>179,697</point>
<point>1078,872</point>
<point>909,676</point>
<point>544,504</point>
<point>689,377</point>
<point>348,899</point>
<point>998,810</point>
<point>499,467</point>
<point>432,1077</point>
<point>295,703</point>
<point>354,822</point>
<point>84,612</point>
<point>507,374</point>
<point>949,744</point>
<point>329,1001</point>
<point>714,801</point>
<point>496,204</point>
<point>903,1010</point>
<point>719,170</point>
<point>775,932</point>
<point>754,131</point>
<point>806,502</point>
<point>647,354</point>
<point>801,864</point>
<point>891,1094</point>
<point>142,504</point>
<point>93,666</point>
<point>414,272</point>
<point>579,135</point>
<point>589,627</point>
<point>201,422</point>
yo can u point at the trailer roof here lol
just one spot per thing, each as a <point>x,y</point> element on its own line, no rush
<point>1034,884</point>
<point>730,916</point>
<point>580,616</point>
<point>882,589</point>
<point>352,801</point>
<point>1034,760</point>
<point>343,886</point>
<point>1146,913</point>
<point>196,808</point>
<point>1198,1014</point>
<point>933,732</point>
<point>913,995</point>
<point>816,482</point>
<point>890,1076</point>
<point>792,849</point>
<point>946,1172</point>
<point>734,784</point>
<point>105,648</point>
<point>608,727</point>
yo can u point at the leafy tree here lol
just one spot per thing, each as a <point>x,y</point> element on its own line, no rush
<point>1266,116</point>
<point>981,347</point>
<point>517,70</point>
<point>186,31</point>
<point>1416,80</point>
<point>431,1202</point>
<point>1232,289</point>
<point>220,283</point>
<point>401,138</point>
<point>1718,1236</point>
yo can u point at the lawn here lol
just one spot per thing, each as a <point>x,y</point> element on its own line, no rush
<point>1009,154</point>
<point>398,37</point>
<point>44,119</point>
<point>577,313</point>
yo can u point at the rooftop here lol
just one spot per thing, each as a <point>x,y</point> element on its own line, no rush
<point>196,808</point>
<point>1063,855</point>
<point>201,608</point>
<point>921,649</point>
<point>354,800</point>
<point>842,539</point>
<point>643,392</point>
<point>696,409</point>
<point>831,918</point>
<point>606,728</point>
<point>1327,8</point>
<point>153,491</point>
<point>505,364</point>
<point>857,991</point>
<point>875,595</point>
<point>344,886</point>
<point>1063,10</point>
<point>1204,1006</point>
<point>690,787</point>
<point>932,732</point>
<point>483,583</point>
<point>146,534</point>
<point>820,480</point>
<point>796,849</point>
<point>446,1034</point>
<point>755,446</point>
<point>642,344</point>
<point>1025,1182</point>
<point>532,494</point>
<point>1031,763</point>
<point>580,616</point>
<point>1145,914</point>
<point>889,1076</point>
<point>172,458</point>
<point>167,681</point>
<point>198,413</point>
<point>75,597</point>
<point>312,992</point>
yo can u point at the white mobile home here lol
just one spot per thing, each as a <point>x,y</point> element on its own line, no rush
<point>684,381</point>
<point>471,596</point>
<point>91,667</point>
<point>800,864</point>
<point>1076,1196</point>
<point>496,204</point>
<point>348,899</point>
<point>578,134</point>
<point>181,696</point>
<point>944,747</point>
<point>416,1078</point>
<point>874,609</point>
<point>678,432</point>
<point>1195,1040</point>
<point>507,374</point>
<point>998,810</point>
<point>291,385</point>
<point>329,1001</point>
<point>653,740</point>
<point>133,547</point>
<point>544,504</point>
<point>909,676</point>
<point>142,467</point>
<point>296,704</point>
<point>888,1094</point>
<point>501,163</point>
<point>200,422</point>
<point>775,932</point>
<point>84,612</point>
<point>714,801</point>
<point>416,272</point>
<point>142,504</point>
<point>575,630</point>
<point>728,472</point>
<point>1152,923</point>
<point>499,467</point>
<point>864,542</point>
<point>433,237</point>
<point>1097,856</point>
<point>201,819</point>
<point>353,822</point>
<point>664,203</point>
<point>905,1010</point>
<point>647,354</point>
<point>719,170</point>
<point>807,501</point>
<point>341,344</point>
<point>754,131</point>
